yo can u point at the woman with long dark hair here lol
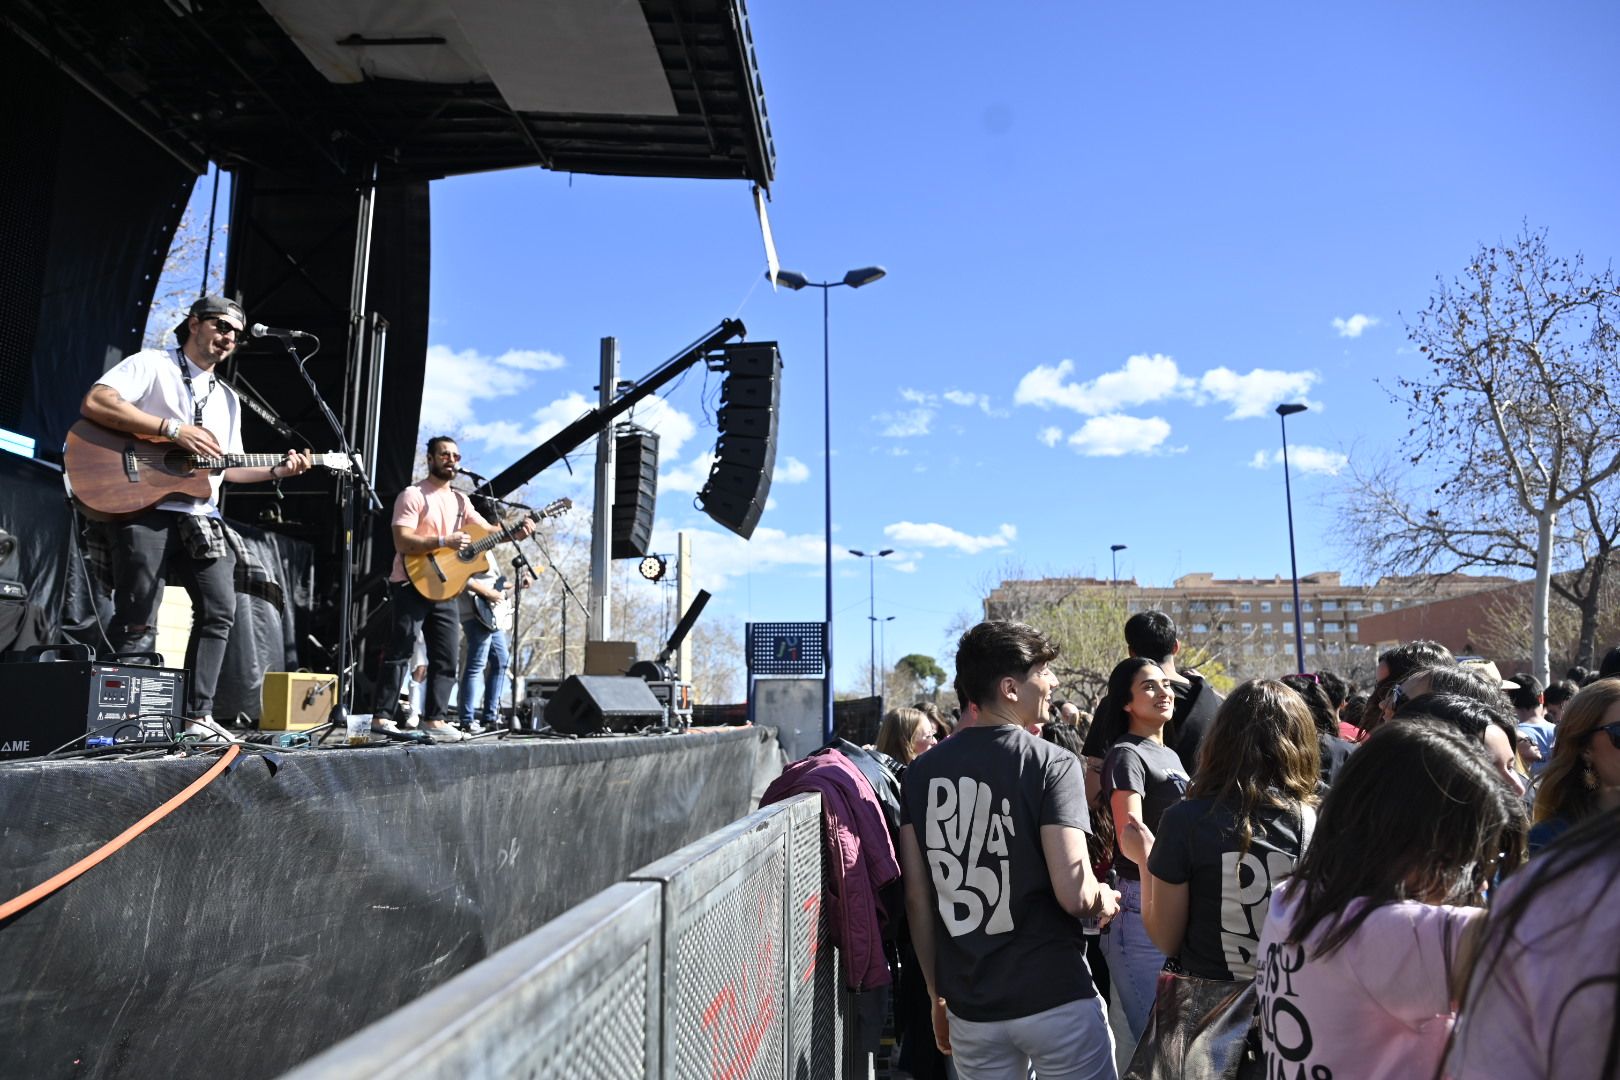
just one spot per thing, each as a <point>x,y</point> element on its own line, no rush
<point>1332,749</point>
<point>1141,779</point>
<point>1360,958</point>
<point>1245,822</point>
<point>1543,1002</point>
<point>1583,777</point>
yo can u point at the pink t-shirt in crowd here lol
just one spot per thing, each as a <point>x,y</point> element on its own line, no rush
<point>1379,1006</point>
<point>439,512</point>
<point>1527,1014</point>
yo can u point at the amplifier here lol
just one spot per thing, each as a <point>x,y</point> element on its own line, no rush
<point>296,700</point>
<point>50,703</point>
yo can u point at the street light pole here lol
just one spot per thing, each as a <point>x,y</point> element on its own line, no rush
<point>883,641</point>
<point>1283,413</point>
<point>1113,551</point>
<point>854,279</point>
<point>871,602</point>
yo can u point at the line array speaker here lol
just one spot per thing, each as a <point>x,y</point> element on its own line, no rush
<point>745,455</point>
<point>635,479</point>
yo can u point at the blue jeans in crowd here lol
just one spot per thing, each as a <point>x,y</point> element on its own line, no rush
<point>487,661</point>
<point>1134,962</point>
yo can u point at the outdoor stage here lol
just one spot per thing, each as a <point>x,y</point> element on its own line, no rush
<point>301,896</point>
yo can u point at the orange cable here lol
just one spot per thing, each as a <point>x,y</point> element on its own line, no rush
<point>45,888</point>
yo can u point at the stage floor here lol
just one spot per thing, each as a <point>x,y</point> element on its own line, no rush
<point>302,895</point>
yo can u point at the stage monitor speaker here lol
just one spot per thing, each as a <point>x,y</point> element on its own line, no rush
<point>740,480</point>
<point>592,704</point>
<point>635,479</point>
<point>296,700</point>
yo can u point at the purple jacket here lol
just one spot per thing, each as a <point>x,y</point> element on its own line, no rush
<point>860,857</point>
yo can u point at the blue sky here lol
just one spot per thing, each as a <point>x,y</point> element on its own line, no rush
<point>1116,236</point>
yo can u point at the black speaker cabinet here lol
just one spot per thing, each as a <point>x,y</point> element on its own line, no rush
<point>745,456</point>
<point>635,477</point>
<point>591,704</point>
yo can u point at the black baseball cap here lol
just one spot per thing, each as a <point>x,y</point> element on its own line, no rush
<point>211,305</point>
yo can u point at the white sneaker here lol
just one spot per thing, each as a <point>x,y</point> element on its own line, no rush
<point>208,730</point>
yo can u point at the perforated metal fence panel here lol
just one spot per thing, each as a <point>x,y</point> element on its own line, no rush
<point>726,951</point>
<point>580,998</point>
<point>815,1020</point>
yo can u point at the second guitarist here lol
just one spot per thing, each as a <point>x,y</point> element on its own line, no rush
<point>172,394</point>
<point>428,516</point>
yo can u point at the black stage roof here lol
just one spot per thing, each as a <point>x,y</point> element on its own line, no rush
<point>423,88</point>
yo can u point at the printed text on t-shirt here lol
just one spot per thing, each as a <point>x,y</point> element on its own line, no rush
<point>1286,1031</point>
<point>1246,882</point>
<point>961,829</point>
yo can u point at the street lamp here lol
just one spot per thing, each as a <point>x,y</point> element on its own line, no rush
<point>1283,413</point>
<point>1113,551</point>
<point>794,280</point>
<point>883,641</point>
<point>871,601</point>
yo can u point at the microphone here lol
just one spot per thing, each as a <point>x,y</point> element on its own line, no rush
<point>258,329</point>
<point>469,472</point>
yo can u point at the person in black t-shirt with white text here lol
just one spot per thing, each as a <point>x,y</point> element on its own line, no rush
<point>997,877</point>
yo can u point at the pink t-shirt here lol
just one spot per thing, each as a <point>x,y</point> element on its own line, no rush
<point>1379,1006</point>
<point>438,512</point>
<point>1527,1015</point>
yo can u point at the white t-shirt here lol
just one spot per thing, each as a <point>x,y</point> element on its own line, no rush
<point>151,381</point>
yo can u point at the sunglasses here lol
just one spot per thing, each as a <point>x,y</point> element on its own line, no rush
<point>1397,697</point>
<point>226,328</point>
<point>1612,731</point>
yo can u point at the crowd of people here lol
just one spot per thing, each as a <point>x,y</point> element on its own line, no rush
<point>1298,880</point>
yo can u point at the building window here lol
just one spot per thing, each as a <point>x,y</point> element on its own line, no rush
<point>1378,605</point>
<point>1310,626</point>
<point>1330,605</point>
<point>1270,627</point>
<point>1354,605</point>
<point>1332,646</point>
<point>1200,628</point>
<point>1265,606</point>
<point>1175,605</point>
<point>1248,649</point>
<point>1395,605</point>
<point>1288,605</point>
<point>1310,648</point>
<point>1288,628</point>
<point>1270,648</point>
<point>1197,605</point>
<point>1224,606</point>
<point>1288,647</point>
<point>1307,606</point>
<point>1245,606</point>
<point>1354,628</point>
<point>1248,628</point>
<point>1330,628</point>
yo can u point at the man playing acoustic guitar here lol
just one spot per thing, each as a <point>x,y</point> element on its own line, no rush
<point>429,516</point>
<point>172,394</point>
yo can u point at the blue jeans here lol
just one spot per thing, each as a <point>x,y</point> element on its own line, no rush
<point>1134,962</point>
<point>487,661</point>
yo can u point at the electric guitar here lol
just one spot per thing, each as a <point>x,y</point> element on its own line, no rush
<point>442,573</point>
<point>115,474</point>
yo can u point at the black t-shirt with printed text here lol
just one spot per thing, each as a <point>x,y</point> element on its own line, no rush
<point>1228,893</point>
<point>1003,945</point>
<point>1153,771</point>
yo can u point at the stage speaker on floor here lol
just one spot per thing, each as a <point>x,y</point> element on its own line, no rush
<point>745,455</point>
<point>635,489</point>
<point>590,704</point>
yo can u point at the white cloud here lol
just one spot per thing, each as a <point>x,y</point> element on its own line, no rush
<point>1050,436</point>
<point>1355,325</point>
<point>674,427</point>
<point>1306,459</point>
<point>545,422</point>
<point>791,471</point>
<point>1253,394</point>
<point>1116,435</point>
<point>907,424</point>
<point>722,556</point>
<point>917,397</point>
<point>935,535</point>
<point>970,400</point>
<point>689,477</point>
<point>1143,379</point>
<point>453,380</point>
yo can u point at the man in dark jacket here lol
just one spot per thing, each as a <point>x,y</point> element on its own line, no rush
<point>1152,636</point>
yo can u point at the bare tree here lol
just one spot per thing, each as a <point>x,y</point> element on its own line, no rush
<point>1513,453</point>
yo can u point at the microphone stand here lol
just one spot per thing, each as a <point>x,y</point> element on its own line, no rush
<point>355,473</point>
<point>520,566</point>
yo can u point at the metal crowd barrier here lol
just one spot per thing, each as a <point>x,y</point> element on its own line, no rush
<point>714,962</point>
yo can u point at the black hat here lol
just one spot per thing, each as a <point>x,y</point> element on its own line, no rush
<point>211,305</point>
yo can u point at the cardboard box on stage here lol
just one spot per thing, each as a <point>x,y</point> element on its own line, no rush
<point>296,700</point>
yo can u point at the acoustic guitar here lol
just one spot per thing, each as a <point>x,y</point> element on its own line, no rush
<point>115,474</point>
<point>441,574</point>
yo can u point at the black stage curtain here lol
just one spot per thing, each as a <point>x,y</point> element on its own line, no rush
<point>34,509</point>
<point>296,900</point>
<point>88,207</point>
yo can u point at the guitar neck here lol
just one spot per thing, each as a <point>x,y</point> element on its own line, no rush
<point>500,536</point>
<point>237,461</point>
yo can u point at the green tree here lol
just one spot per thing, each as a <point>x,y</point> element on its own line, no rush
<point>918,676</point>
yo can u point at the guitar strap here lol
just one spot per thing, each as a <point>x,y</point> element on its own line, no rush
<point>191,391</point>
